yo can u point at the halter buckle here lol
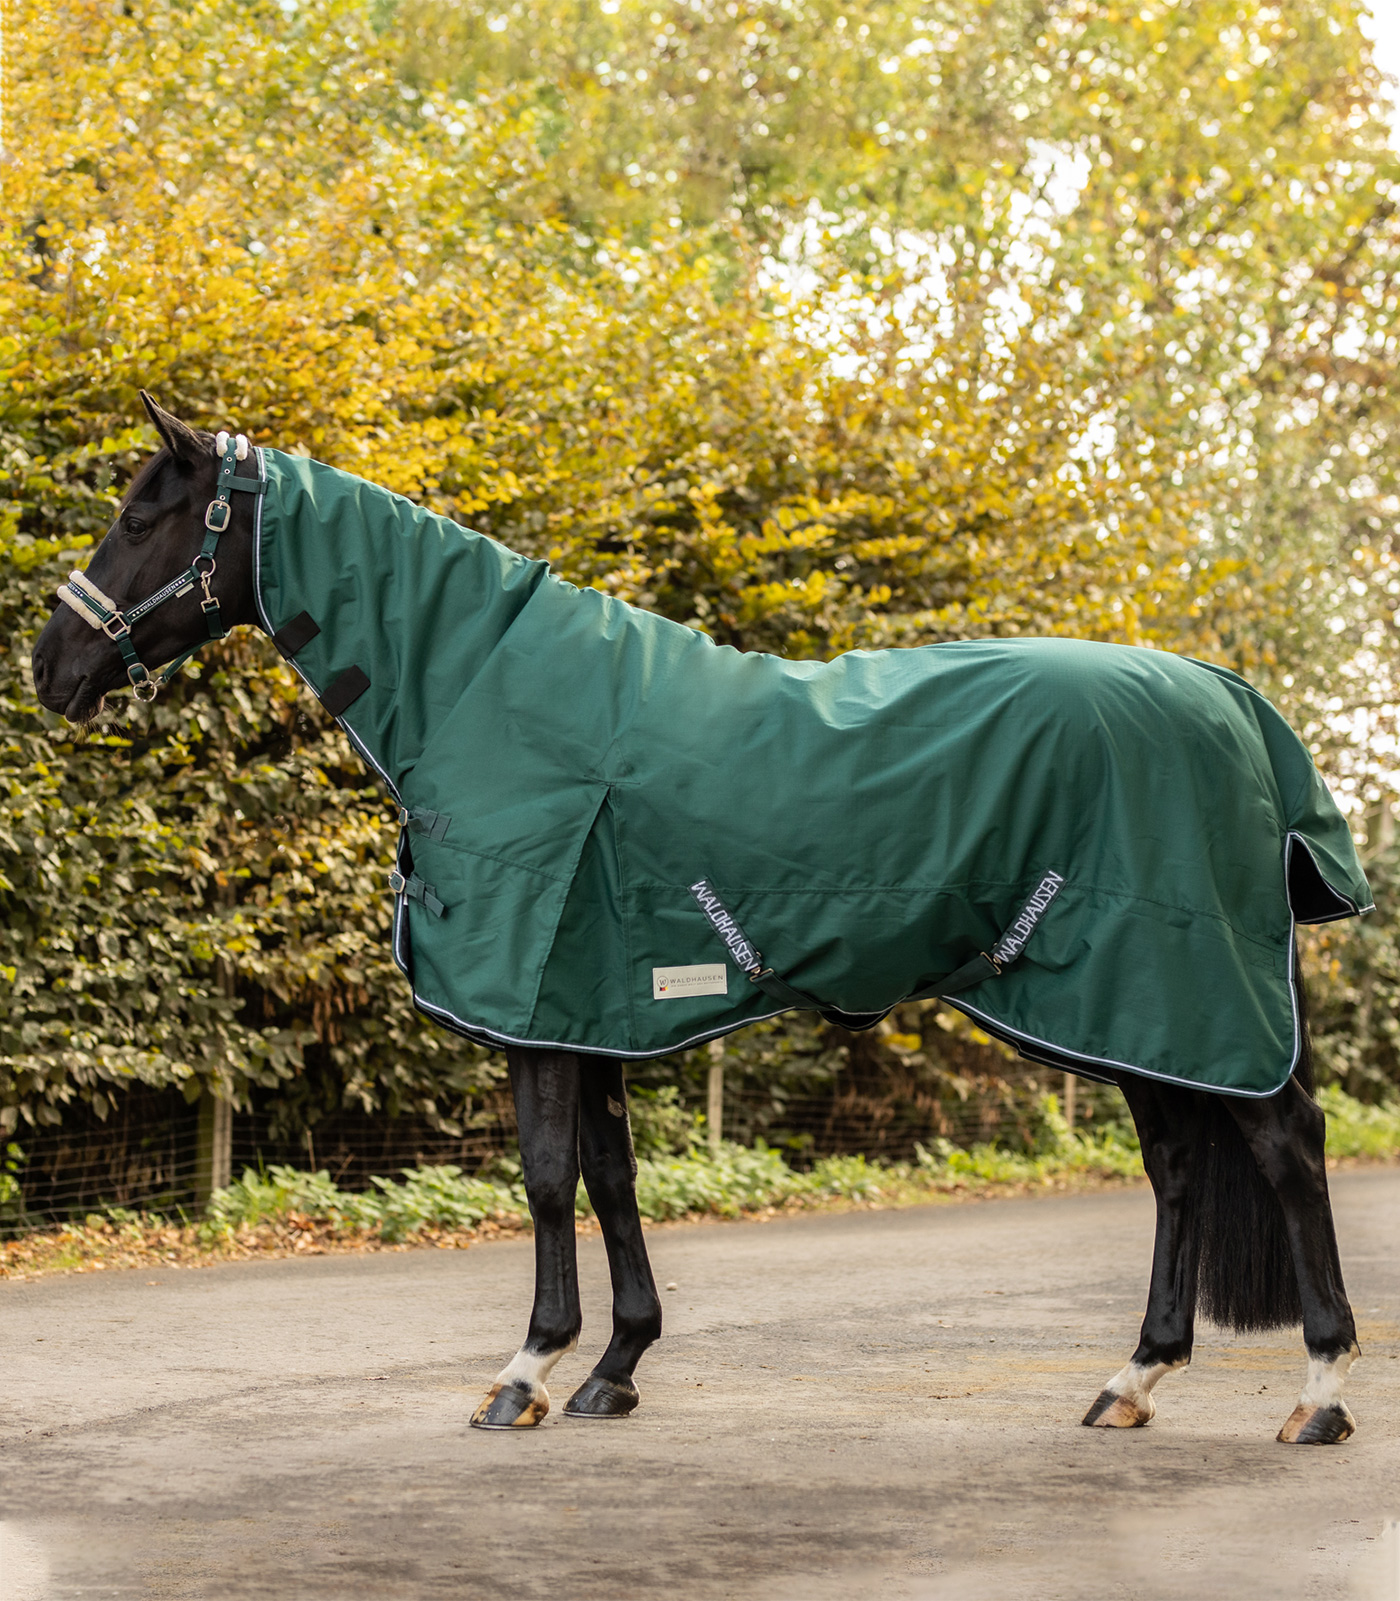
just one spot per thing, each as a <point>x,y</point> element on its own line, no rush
<point>225,512</point>
<point>143,686</point>
<point>116,628</point>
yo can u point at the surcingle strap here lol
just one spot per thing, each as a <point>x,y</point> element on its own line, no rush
<point>993,963</point>
<point>745,954</point>
<point>981,967</point>
<point>1023,925</point>
<point>736,942</point>
<point>345,689</point>
<point>296,635</point>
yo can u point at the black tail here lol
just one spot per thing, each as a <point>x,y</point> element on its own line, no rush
<point>1246,1278</point>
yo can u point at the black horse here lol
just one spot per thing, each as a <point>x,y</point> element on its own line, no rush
<point>1244,1222</point>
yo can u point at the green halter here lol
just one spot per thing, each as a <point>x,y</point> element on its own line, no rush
<point>103,613</point>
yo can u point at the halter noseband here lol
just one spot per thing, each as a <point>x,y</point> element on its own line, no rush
<point>99,611</point>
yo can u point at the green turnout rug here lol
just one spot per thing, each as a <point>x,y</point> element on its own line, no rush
<point>605,813</point>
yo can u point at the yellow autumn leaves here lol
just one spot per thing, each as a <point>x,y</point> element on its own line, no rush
<point>751,328</point>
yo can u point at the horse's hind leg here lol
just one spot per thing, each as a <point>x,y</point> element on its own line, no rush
<point>546,1089</point>
<point>610,1174</point>
<point>1169,1127</point>
<point>1286,1134</point>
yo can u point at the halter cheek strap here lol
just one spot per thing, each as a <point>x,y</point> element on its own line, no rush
<point>101,612</point>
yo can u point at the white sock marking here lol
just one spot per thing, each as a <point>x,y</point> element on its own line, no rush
<point>1326,1378</point>
<point>534,1367</point>
<point>1135,1382</point>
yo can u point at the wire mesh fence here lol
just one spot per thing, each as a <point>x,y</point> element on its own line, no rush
<point>144,1156</point>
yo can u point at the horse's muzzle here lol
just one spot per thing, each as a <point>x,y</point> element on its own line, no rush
<point>62,686</point>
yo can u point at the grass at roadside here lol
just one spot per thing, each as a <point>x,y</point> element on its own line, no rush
<point>284,1211</point>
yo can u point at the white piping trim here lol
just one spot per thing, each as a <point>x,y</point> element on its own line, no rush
<point>1356,911</point>
<point>996,1026</point>
<point>1168,1078</point>
<point>479,1031</point>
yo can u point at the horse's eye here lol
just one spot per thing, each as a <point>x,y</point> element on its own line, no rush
<point>136,526</point>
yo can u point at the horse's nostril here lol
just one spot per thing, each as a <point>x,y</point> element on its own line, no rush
<point>41,672</point>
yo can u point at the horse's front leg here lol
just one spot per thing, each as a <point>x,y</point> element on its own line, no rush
<point>1169,1124</point>
<point>610,1174</point>
<point>546,1089</point>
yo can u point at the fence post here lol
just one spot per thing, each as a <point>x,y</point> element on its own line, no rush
<point>1069,1099</point>
<point>213,1156</point>
<point>714,1116</point>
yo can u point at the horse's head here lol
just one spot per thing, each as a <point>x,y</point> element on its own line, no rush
<point>160,533</point>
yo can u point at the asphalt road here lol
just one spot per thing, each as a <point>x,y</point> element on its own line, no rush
<point>876,1404</point>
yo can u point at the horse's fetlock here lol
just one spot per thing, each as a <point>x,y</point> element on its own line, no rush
<point>1169,1357</point>
<point>548,1341</point>
<point>638,1328</point>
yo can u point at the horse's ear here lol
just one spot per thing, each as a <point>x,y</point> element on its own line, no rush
<point>185,443</point>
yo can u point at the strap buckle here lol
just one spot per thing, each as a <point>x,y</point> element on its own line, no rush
<point>420,820</point>
<point>116,628</point>
<point>416,890</point>
<point>218,506</point>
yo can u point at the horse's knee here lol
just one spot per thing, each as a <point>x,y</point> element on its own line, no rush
<point>612,1187</point>
<point>552,1213</point>
<point>551,1187</point>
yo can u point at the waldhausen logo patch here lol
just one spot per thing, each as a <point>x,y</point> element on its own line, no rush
<point>673,983</point>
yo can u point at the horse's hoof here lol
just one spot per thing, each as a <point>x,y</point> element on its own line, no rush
<point>1114,1411</point>
<point>517,1405</point>
<point>598,1397</point>
<point>1318,1425</point>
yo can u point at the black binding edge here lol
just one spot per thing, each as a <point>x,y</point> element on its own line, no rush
<point>345,690</point>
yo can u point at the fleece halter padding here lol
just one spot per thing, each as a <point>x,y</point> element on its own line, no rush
<point>89,592</point>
